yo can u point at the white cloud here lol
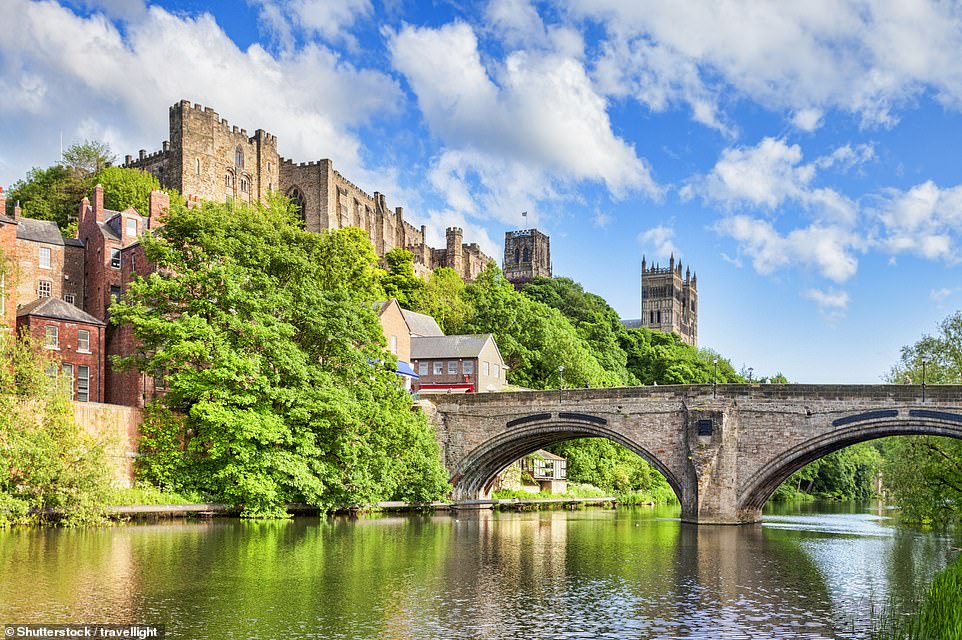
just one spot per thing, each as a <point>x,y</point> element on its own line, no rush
<point>661,239</point>
<point>60,71</point>
<point>804,57</point>
<point>925,220</point>
<point>829,250</point>
<point>831,303</point>
<point>529,128</point>
<point>939,295</point>
<point>330,20</point>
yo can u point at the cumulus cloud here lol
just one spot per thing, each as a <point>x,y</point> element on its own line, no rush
<point>534,119</point>
<point>805,57</point>
<point>660,240</point>
<point>60,71</point>
<point>330,20</point>
<point>831,303</point>
<point>925,220</point>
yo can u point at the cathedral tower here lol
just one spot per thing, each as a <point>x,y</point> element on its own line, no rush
<point>669,300</point>
<point>527,255</point>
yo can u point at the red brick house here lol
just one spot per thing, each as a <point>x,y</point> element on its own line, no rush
<point>458,364</point>
<point>77,337</point>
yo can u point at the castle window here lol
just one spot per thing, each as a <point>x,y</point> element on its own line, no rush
<point>229,180</point>
<point>239,157</point>
<point>243,185</point>
<point>652,317</point>
<point>197,167</point>
<point>527,255</point>
<point>517,255</point>
<point>659,317</point>
<point>297,200</point>
<point>268,166</point>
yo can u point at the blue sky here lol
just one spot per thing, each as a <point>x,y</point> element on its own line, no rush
<point>802,159</point>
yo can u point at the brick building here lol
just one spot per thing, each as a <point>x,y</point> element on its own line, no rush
<point>78,339</point>
<point>458,364</point>
<point>8,267</point>
<point>207,158</point>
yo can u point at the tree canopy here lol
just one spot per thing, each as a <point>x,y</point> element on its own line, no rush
<point>279,385</point>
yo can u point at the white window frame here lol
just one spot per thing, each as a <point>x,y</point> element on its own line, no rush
<point>83,336</point>
<point>392,344</point>
<point>115,258</point>
<point>51,339</point>
<point>487,368</point>
<point>70,298</point>
<point>497,371</point>
<point>468,367</point>
<point>44,257</point>
<point>452,367</point>
<point>438,367</point>
<point>67,370</point>
<point>83,383</point>
<point>423,368</point>
<point>44,289</point>
<point>128,222</point>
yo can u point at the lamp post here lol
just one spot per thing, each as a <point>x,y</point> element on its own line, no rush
<point>714,382</point>
<point>750,371</point>
<point>561,381</point>
<point>924,362</point>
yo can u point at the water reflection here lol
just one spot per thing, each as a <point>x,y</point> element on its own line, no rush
<point>557,574</point>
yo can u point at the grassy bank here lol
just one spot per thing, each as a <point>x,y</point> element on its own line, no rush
<point>577,490</point>
<point>939,615</point>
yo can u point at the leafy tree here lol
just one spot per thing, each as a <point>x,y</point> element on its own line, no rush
<point>46,460</point>
<point>609,466</point>
<point>401,281</point>
<point>444,300</point>
<point>847,474</point>
<point>663,358</point>
<point>270,345</point>
<point>87,158</point>
<point>924,473</point>
<point>125,188</point>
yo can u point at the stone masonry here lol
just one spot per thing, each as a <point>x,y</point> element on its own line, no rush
<point>209,159</point>
<point>723,455</point>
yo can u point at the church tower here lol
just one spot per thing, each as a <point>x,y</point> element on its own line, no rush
<point>669,300</point>
<point>527,255</point>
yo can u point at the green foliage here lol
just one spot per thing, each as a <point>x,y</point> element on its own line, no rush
<point>443,299</point>
<point>401,281</point>
<point>610,466</point>
<point>46,460</point>
<point>846,474</point>
<point>924,474</point>
<point>939,614</point>
<point>267,334</point>
<point>144,493</point>
<point>87,158</point>
<point>125,188</point>
<point>663,358</point>
<point>49,194</point>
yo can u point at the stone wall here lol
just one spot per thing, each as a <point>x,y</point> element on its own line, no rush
<point>118,427</point>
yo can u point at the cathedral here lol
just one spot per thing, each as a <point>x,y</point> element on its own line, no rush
<point>669,301</point>
<point>206,158</point>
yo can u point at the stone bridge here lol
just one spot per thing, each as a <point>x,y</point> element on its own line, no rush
<point>723,453</point>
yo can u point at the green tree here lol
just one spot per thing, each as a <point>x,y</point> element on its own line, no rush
<point>924,473</point>
<point>125,188</point>
<point>46,460</point>
<point>270,345</point>
<point>401,281</point>
<point>87,158</point>
<point>444,300</point>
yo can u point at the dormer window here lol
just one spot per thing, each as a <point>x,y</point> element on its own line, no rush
<point>132,227</point>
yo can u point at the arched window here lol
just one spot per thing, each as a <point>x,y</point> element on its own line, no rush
<point>517,255</point>
<point>527,254</point>
<point>244,185</point>
<point>239,157</point>
<point>229,180</point>
<point>197,166</point>
<point>297,199</point>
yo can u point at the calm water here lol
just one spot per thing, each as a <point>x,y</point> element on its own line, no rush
<point>630,573</point>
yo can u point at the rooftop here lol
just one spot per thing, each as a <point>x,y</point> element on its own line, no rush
<point>56,309</point>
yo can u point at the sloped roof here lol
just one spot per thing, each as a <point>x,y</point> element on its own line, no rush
<point>468,346</point>
<point>73,242</point>
<point>107,231</point>
<point>421,324</point>
<point>56,309</point>
<point>45,231</point>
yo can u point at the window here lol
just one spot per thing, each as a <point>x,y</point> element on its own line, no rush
<point>83,341</point>
<point>51,370</point>
<point>229,181</point>
<point>658,315</point>
<point>133,263</point>
<point>114,292</point>
<point>43,289</point>
<point>652,319</point>
<point>44,257</point>
<point>83,384</point>
<point>422,368</point>
<point>115,258</point>
<point>68,377</point>
<point>268,166</point>
<point>197,167</point>
<point>527,255</point>
<point>497,371</point>
<point>243,185</point>
<point>297,199</point>
<point>452,367</point>
<point>51,337</point>
<point>70,298</point>
<point>438,368</point>
<point>487,368</point>
<point>239,157</point>
<point>392,342</point>
<point>468,367</point>
<point>132,227</point>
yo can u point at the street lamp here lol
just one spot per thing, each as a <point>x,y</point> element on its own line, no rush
<point>714,382</point>
<point>561,381</point>
<point>924,362</point>
<point>750,371</point>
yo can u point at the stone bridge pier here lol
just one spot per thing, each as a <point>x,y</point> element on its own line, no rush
<point>724,452</point>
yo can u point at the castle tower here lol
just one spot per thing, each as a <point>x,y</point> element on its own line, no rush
<point>527,255</point>
<point>454,257</point>
<point>669,300</point>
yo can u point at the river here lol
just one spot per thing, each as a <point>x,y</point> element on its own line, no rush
<point>809,572</point>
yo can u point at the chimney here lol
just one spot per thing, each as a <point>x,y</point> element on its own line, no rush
<point>157,209</point>
<point>165,146</point>
<point>3,203</point>
<point>99,203</point>
<point>16,210</point>
<point>84,209</point>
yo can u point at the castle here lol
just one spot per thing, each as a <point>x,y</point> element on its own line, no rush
<point>527,255</point>
<point>669,301</point>
<point>208,159</point>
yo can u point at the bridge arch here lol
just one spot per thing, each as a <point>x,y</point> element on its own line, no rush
<point>760,486</point>
<point>475,474</point>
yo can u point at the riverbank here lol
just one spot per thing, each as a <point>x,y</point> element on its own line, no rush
<point>939,614</point>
